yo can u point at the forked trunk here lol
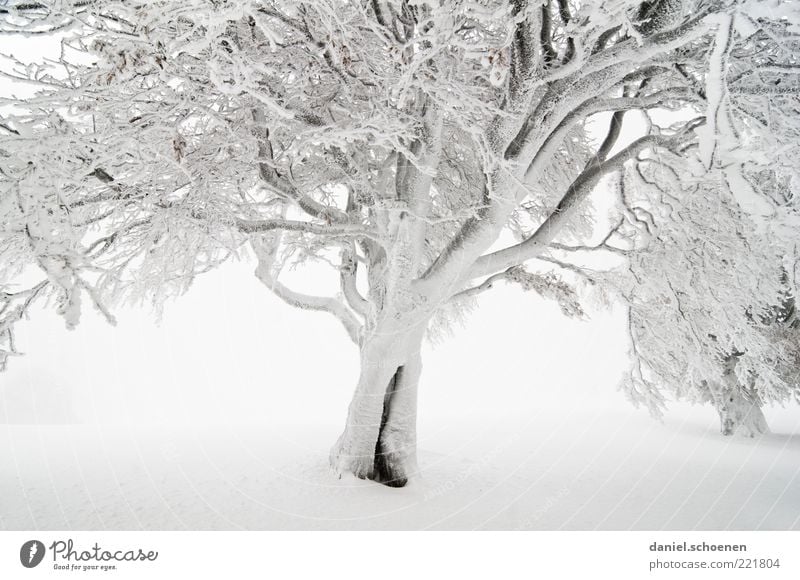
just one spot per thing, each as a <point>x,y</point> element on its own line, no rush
<point>379,439</point>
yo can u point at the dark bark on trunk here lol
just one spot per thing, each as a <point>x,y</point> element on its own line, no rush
<point>386,470</point>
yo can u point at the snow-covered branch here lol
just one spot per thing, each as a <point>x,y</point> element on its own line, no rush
<point>551,227</point>
<point>268,273</point>
<point>14,307</point>
<point>332,230</point>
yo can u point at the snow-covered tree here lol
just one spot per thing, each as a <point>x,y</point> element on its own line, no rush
<point>710,307</point>
<point>399,142</point>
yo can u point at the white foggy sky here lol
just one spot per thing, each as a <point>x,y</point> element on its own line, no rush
<point>228,351</point>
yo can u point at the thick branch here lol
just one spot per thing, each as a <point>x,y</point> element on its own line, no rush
<point>614,129</point>
<point>306,301</point>
<point>348,275</point>
<point>566,16</point>
<point>281,186</point>
<point>576,193</point>
<point>549,54</point>
<point>487,284</point>
<point>266,225</point>
<point>602,105</point>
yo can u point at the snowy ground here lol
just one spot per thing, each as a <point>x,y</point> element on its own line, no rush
<point>573,471</point>
<point>222,417</point>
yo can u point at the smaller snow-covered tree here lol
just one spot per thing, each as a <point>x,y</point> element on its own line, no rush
<point>711,305</point>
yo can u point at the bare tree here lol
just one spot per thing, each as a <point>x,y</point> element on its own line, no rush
<point>396,141</point>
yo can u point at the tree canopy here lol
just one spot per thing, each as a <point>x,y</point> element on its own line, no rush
<point>646,148</point>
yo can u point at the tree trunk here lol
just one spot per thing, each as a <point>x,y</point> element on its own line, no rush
<point>738,406</point>
<point>379,439</point>
<point>740,413</point>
